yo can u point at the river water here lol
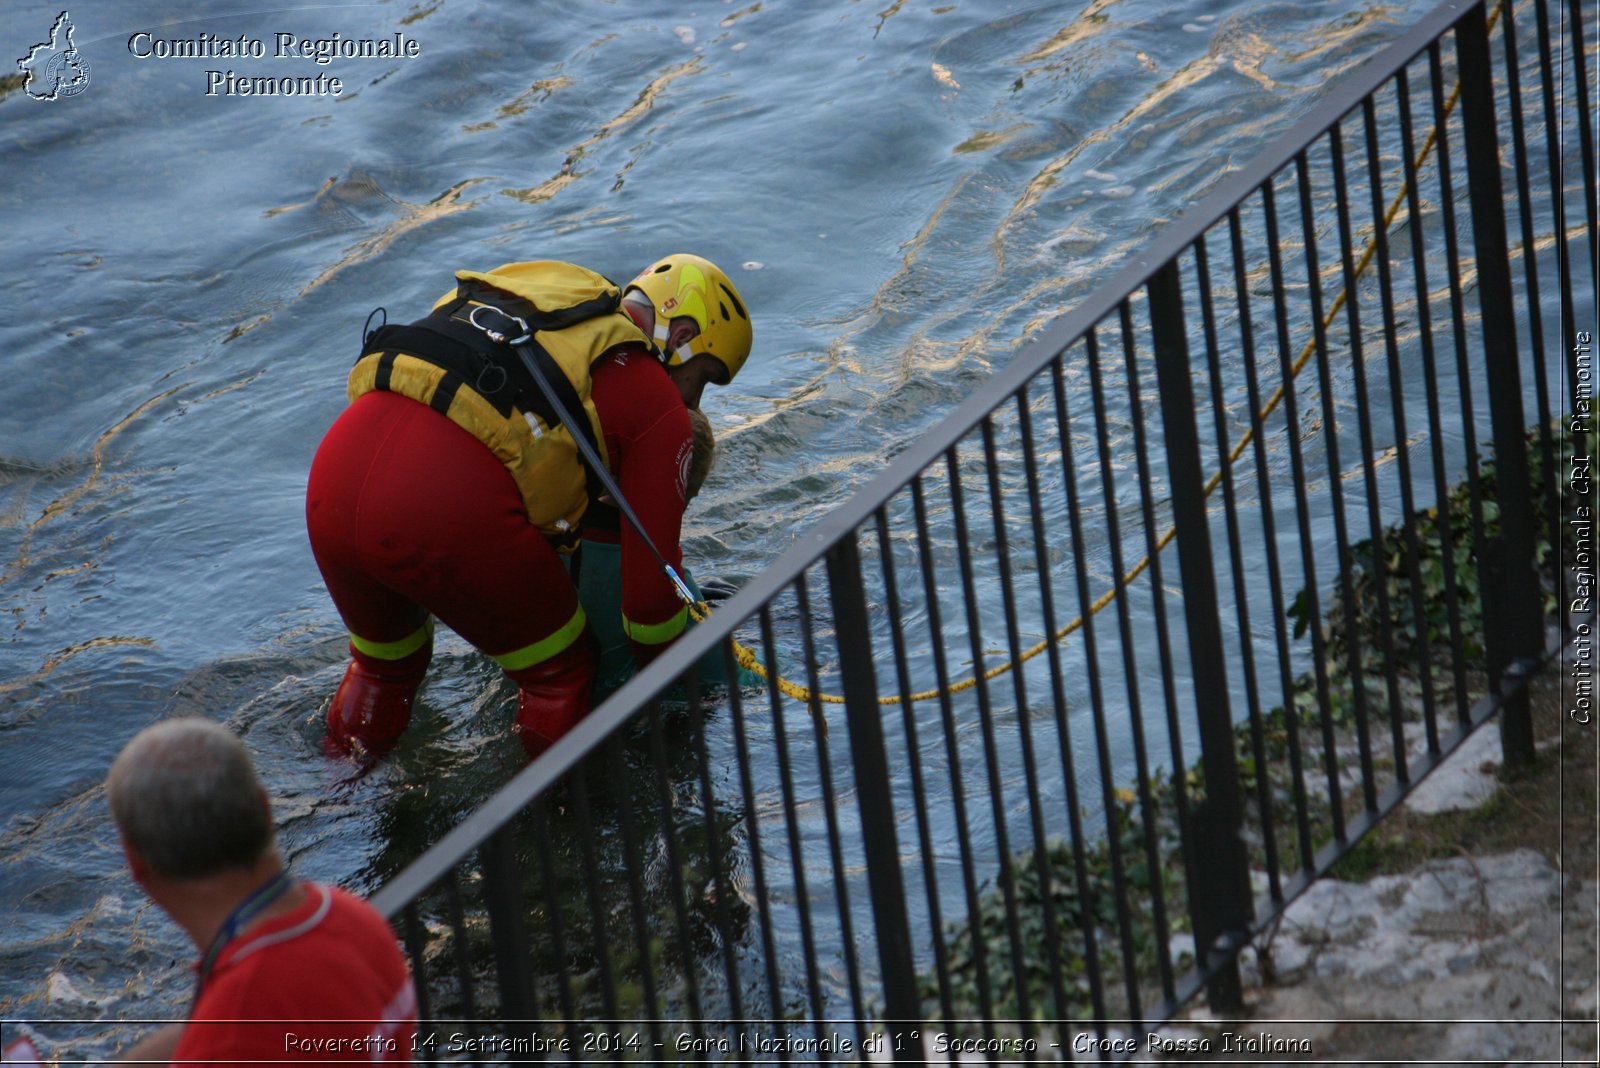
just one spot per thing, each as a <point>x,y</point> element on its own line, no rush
<point>904,192</point>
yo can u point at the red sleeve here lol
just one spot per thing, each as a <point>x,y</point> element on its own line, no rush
<point>648,443</point>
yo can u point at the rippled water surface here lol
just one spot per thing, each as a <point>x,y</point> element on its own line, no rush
<point>904,191</point>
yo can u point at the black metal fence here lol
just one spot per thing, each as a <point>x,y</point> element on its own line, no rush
<point>1017,767</point>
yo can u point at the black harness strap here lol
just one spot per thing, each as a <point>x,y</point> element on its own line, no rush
<point>537,319</point>
<point>466,351</point>
<point>444,394</point>
<point>528,396</point>
<point>385,369</point>
<point>493,370</point>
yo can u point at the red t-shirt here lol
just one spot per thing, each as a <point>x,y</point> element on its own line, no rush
<point>648,444</point>
<point>325,983</point>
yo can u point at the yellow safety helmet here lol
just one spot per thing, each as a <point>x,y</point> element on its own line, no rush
<point>685,286</point>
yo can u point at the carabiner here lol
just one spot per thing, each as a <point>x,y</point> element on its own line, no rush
<point>500,336</point>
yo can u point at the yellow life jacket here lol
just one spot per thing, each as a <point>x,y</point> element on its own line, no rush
<point>448,362</point>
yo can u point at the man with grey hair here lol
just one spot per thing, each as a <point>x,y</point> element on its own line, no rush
<point>196,828</point>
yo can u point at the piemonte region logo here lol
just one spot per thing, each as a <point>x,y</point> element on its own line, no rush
<point>55,68</point>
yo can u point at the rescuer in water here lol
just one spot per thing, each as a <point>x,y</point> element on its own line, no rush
<point>452,485</point>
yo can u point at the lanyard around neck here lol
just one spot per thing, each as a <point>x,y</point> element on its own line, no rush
<point>248,909</point>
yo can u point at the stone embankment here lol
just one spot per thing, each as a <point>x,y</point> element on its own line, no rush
<point>1486,955</point>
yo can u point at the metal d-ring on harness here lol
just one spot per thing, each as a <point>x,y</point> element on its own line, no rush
<point>519,345</point>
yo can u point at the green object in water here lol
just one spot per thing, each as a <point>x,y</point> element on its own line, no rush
<point>600,591</point>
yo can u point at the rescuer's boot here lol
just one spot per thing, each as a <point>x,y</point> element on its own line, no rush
<point>372,706</point>
<point>555,693</point>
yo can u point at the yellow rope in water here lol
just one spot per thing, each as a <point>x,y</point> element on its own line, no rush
<point>746,656</point>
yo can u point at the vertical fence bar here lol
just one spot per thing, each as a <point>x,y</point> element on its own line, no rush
<point>669,842</point>
<point>1430,384</point>
<point>1030,767</point>
<point>1458,350</point>
<point>556,926</point>
<point>1554,140</point>
<point>1312,605</point>
<point>1513,626</point>
<point>1241,593</point>
<point>508,930</point>
<point>1102,730</point>
<point>1141,450</point>
<point>1058,695</point>
<point>830,802</point>
<point>1291,719</point>
<point>874,799</point>
<point>621,797</point>
<point>947,721</point>
<point>913,758</point>
<point>752,825</point>
<point>1347,646</point>
<point>1091,660</point>
<point>1368,466</point>
<point>1006,877</point>
<point>414,941</point>
<point>727,937</point>
<point>1415,593</point>
<point>797,867</point>
<point>462,954</point>
<point>1530,267</point>
<point>1585,124</point>
<point>1355,640</point>
<point>588,835</point>
<point>1220,887</point>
